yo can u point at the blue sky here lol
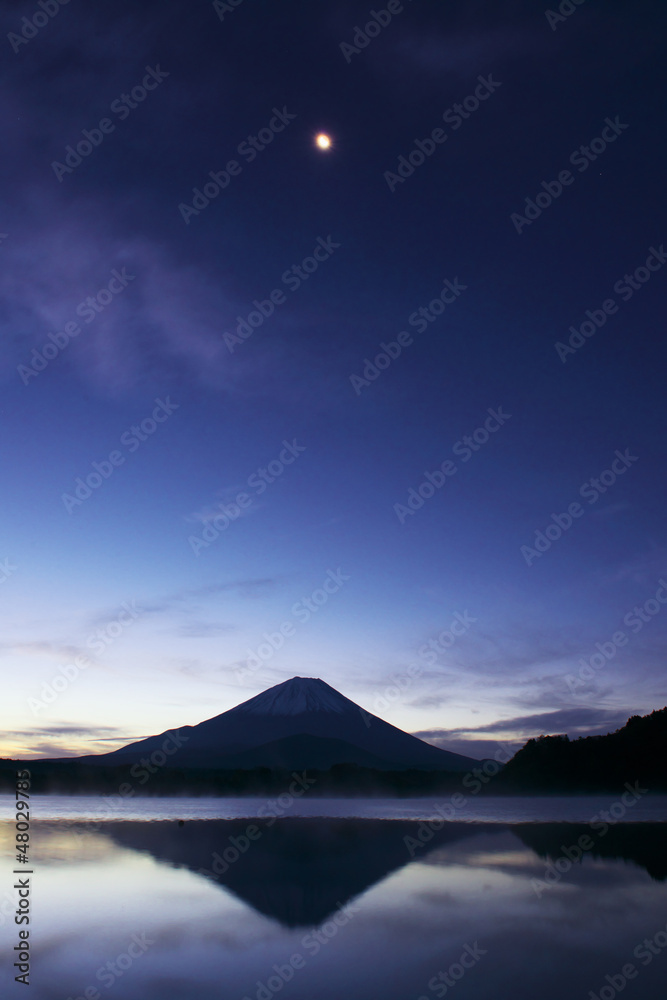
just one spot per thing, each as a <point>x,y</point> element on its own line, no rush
<point>167,289</point>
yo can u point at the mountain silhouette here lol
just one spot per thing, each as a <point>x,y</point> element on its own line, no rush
<point>301,723</point>
<point>299,870</point>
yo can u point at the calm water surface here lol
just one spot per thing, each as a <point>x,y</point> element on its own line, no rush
<point>189,898</point>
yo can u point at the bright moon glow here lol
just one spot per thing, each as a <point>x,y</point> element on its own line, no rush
<point>323,141</point>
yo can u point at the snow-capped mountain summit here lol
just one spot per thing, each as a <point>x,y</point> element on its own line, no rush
<point>297,695</point>
<point>301,723</point>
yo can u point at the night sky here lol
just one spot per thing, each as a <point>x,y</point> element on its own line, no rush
<point>204,438</point>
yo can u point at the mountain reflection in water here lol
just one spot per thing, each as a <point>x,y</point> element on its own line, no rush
<point>298,871</point>
<point>361,907</point>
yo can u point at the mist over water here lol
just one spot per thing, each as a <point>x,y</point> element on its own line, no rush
<point>488,809</point>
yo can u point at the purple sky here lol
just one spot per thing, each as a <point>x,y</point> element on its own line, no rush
<point>211,486</point>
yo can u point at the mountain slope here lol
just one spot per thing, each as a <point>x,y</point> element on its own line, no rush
<point>302,722</point>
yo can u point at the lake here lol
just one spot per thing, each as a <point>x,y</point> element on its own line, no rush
<point>154,899</point>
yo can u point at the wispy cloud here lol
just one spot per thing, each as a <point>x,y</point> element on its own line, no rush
<point>189,600</point>
<point>247,588</point>
<point>167,318</point>
<point>573,721</point>
<point>63,729</point>
<point>64,740</point>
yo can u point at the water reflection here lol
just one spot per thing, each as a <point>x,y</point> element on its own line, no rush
<point>221,934</point>
<point>641,843</point>
<point>297,871</point>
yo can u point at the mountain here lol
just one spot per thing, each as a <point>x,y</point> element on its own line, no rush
<point>635,753</point>
<point>301,723</point>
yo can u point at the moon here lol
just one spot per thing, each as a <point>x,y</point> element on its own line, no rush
<point>323,141</point>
